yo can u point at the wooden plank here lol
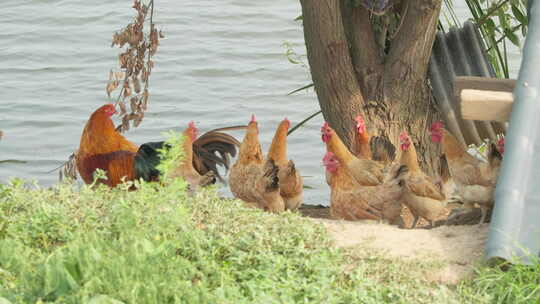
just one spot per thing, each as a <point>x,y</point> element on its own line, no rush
<point>482,83</point>
<point>486,105</point>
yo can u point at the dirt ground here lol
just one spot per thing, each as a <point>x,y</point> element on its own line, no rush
<point>459,246</point>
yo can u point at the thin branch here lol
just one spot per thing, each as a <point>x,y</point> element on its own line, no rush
<point>515,28</point>
<point>151,28</point>
<point>491,12</point>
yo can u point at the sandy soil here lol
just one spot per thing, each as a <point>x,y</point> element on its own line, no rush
<point>458,247</point>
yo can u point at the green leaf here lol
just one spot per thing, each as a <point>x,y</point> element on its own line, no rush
<point>519,15</point>
<point>502,19</point>
<point>512,37</point>
<point>103,299</point>
<point>490,27</point>
<point>4,301</point>
<point>299,18</point>
<point>301,89</point>
<point>303,122</point>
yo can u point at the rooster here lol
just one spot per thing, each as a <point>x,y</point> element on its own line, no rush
<point>475,180</point>
<point>366,172</point>
<point>351,201</point>
<point>251,178</point>
<point>290,181</point>
<point>423,195</point>
<point>102,147</point>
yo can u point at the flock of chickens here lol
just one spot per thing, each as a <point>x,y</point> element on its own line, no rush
<point>367,183</point>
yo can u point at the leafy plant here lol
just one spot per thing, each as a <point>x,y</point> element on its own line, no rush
<point>136,64</point>
<point>499,21</point>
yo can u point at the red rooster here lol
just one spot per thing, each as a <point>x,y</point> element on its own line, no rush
<point>102,147</point>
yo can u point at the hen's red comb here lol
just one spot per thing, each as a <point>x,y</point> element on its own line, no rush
<point>437,125</point>
<point>403,135</point>
<point>253,118</point>
<point>328,156</point>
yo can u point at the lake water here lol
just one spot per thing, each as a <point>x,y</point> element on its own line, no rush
<point>218,64</point>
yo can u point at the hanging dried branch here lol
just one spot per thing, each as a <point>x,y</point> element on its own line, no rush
<point>136,64</point>
<point>69,169</point>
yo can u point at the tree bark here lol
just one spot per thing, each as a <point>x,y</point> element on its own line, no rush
<point>330,62</point>
<point>366,54</point>
<point>353,76</point>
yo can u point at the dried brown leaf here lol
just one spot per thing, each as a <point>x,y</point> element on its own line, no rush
<point>111,86</point>
<point>133,103</point>
<point>127,92</point>
<point>144,75</point>
<point>136,84</point>
<point>119,75</point>
<point>122,108</point>
<point>125,123</point>
<point>123,60</point>
<point>144,99</point>
<point>138,119</point>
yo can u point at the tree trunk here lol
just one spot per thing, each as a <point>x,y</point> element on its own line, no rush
<point>353,75</point>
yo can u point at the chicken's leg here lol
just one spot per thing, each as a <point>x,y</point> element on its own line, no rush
<point>416,217</point>
<point>484,212</point>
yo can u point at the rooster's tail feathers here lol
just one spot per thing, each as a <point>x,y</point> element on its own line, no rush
<point>208,179</point>
<point>215,148</point>
<point>146,160</point>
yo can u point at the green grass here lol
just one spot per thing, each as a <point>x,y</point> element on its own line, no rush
<point>98,245</point>
<point>156,245</point>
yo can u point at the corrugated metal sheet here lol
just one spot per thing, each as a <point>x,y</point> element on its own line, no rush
<point>460,52</point>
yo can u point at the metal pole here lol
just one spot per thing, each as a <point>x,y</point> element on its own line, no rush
<point>515,225</point>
